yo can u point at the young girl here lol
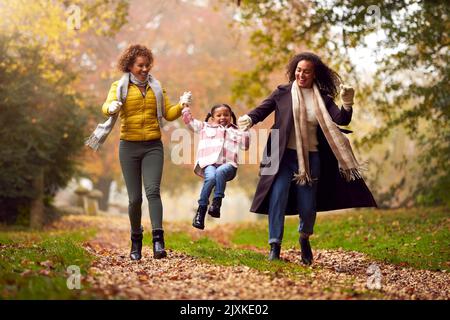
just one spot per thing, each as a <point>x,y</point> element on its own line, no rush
<point>217,156</point>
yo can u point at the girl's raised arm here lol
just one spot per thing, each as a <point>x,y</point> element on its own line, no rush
<point>193,124</point>
<point>244,142</point>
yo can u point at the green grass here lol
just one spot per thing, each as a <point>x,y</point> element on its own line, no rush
<point>419,238</point>
<point>21,274</point>
<point>210,251</point>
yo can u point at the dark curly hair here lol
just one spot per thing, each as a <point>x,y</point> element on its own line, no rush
<point>326,79</point>
<point>128,57</point>
<point>211,113</point>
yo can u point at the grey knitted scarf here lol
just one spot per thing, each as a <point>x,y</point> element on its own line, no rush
<point>102,130</point>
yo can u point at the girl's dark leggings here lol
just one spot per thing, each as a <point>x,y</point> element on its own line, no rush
<point>143,161</point>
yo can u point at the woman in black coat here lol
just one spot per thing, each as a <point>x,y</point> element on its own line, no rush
<point>308,165</point>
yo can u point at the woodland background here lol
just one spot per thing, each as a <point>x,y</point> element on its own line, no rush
<point>58,61</point>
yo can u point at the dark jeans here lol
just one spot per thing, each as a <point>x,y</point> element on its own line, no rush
<point>306,196</point>
<point>218,177</point>
<point>142,160</point>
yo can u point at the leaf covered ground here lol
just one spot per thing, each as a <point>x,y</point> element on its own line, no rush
<point>210,265</point>
<point>410,248</point>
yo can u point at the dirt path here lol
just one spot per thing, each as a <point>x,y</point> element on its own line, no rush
<point>336,274</point>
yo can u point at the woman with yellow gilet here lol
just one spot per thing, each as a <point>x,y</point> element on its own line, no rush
<point>141,151</point>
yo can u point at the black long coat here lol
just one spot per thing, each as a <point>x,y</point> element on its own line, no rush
<point>334,192</point>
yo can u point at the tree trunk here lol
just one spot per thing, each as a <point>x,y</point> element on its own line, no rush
<point>37,206</point>
<point>104,185</point>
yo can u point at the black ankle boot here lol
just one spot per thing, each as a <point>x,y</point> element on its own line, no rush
<point>158,244</point>
<point>214,208</point>
<point>275,249</point>
<point>136,246</point>
<point>307,255</point>
<point>199,219</point>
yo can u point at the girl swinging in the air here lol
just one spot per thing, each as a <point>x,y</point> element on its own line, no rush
<point>217,156</point>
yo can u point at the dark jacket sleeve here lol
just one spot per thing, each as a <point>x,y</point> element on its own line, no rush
<point>340,116</point>
<point>264,109</point>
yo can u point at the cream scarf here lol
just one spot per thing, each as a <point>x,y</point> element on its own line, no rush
<point>339,143</point>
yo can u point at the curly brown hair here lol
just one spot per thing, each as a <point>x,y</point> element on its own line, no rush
<point>326,78</point>
<point>128,57</point>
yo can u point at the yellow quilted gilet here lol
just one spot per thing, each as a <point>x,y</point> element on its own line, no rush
<point>138,120</point>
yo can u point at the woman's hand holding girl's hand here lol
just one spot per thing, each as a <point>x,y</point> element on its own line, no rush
<point>347,95</point>
<point>114,107</point>
<point>186,99</point>
<point>244,122</point>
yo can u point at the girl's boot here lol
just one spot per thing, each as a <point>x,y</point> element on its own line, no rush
<point>214,208</point>
<point>199,219</point>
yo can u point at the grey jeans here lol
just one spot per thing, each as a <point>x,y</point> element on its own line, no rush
<point>142,160</point>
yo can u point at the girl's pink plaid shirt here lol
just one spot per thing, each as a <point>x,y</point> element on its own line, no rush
<point>217,144</point>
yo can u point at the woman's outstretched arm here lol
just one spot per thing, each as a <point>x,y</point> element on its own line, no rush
<point>263,110</point>
<point>173,111</point>
<point>341,116</point>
